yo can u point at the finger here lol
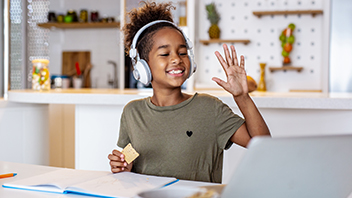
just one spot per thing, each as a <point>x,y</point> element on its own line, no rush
<point>113,157</point>
<point>117,169</point>
<point>118,164</point>
<point>116,152</point>
<point>116,156</point>
<point>234,55</point>
<point>227,55</point>
<point>220,82</point>
<point>242,61</point>
<point>222,61</point>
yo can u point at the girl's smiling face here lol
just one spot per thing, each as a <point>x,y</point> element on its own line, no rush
<point>168,59</point>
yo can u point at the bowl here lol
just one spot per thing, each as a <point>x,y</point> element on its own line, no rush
<point>176,192</point>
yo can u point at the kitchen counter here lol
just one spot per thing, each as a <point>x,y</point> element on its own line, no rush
<point>296,100</point>
<point>84,123</point>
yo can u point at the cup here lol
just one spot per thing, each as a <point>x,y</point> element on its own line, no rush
<point>77,82</point>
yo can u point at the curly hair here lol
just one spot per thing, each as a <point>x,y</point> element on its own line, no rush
<point>139,17</point>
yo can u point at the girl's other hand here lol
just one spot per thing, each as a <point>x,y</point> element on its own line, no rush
<point>236,75</point>
<point>118,163</point>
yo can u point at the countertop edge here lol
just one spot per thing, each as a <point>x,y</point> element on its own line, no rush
<point>262,100</point>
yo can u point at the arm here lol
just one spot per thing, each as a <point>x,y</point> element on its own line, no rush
<point>237,85</point>
<point>118,163</point>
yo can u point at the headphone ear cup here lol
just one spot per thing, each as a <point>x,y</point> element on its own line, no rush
<point>193,66</point>
<point>142,72</point>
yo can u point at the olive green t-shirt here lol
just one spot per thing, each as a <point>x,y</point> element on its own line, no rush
<point>185,141</point>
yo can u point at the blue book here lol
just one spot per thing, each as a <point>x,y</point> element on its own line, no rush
<point>93,183</point>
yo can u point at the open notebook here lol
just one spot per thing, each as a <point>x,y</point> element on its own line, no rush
<point>96,183</point>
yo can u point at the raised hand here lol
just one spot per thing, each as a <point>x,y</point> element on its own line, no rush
<point>236,75</point>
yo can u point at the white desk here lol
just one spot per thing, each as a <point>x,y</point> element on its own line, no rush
<point>28,170</point>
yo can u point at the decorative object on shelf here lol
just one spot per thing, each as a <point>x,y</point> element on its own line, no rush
<point>262,84</point>
<point>182,7</point>
<point>252,85</point>
<point>207,42</point>
<point>287,39</point>
<point>214,18</point>
<point>312,12</point>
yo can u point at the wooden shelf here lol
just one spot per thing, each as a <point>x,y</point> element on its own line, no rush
<point>284,68</point>
<point>79,25</point>
<point>207,42</point>
<point>312,12</point>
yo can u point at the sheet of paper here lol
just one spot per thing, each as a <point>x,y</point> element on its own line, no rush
<point>124,184</point>
<point>56,181</point>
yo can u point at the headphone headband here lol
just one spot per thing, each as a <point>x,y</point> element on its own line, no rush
<point>133,50</point>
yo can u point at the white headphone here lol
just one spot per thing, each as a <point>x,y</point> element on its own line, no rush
<point>141,70</point>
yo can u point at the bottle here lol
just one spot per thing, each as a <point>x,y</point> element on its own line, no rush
<point>262,84</point>
<point>40,74</point>
<point>182,13</point>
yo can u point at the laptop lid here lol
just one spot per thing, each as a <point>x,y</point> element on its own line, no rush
<point>301,167</point>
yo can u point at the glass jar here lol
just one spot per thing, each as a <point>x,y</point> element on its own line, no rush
<point>94,16</point>
<point>83,16</point>
<point>40,74</point>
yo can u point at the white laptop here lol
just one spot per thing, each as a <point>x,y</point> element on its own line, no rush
<point>312,167</point>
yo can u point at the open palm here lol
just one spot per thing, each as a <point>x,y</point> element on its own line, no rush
<point>236,75</point>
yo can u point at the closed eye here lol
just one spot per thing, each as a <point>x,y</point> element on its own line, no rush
<point>164,54</point>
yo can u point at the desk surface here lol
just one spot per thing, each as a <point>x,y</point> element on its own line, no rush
<point>28,170</point>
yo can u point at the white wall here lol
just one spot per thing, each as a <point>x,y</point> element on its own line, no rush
<point>341,46</point>
<point>238,22</point>
<point>102,43</point>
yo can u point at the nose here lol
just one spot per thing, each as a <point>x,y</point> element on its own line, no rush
<point>176,59</point>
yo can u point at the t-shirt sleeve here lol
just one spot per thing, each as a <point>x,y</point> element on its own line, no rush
<point>123,139</point>
<point>227,123</point>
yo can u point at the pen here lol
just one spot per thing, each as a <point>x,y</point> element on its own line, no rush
<point>7,175</point>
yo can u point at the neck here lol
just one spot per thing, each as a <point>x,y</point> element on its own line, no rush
<point>167,97</point>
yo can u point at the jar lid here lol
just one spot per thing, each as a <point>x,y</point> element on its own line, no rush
<point>59,76</point>
<point>45,61</point>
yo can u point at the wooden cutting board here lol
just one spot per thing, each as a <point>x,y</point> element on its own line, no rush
<point>69,59</point>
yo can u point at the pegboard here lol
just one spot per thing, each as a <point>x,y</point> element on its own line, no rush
<point>238,22</point>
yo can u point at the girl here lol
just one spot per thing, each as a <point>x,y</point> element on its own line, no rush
<point>178,134</point>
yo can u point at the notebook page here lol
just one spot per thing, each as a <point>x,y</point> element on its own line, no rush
<point>55,181</point>
<point>124,184</point>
